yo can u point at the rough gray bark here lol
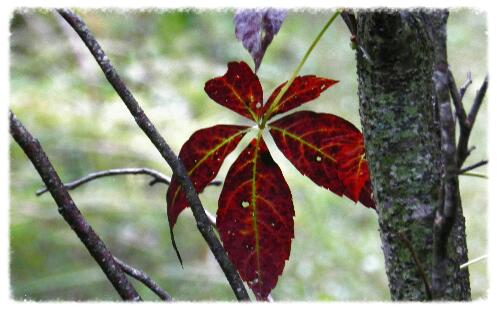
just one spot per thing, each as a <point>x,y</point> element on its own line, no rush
<point>400,121</point>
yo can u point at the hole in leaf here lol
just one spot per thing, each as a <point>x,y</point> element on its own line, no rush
<point>258,105</point>
<point>318,159</point>
<point>245,204</point>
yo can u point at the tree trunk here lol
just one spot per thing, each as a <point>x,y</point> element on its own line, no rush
<point>396,55</point>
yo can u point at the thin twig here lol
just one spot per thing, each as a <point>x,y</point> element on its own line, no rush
<point>471,174</point>
<point>69,211</point>
<point>417,262</point>
<point>466,84</point>
<point>472,261</point>
<point>144,278</point>
<point>159,142</point>
<point>480,95</point>
<point>473,166</point>
<point>158,177</point>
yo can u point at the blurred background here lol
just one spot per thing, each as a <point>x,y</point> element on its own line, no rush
<point>62,97</point>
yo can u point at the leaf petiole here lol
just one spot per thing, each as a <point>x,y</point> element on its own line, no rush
<point>297,69</point>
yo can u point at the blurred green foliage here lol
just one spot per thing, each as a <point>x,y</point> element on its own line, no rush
<point>59,93</point>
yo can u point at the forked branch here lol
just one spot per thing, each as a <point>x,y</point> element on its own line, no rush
<point>157,176</point>
<point>466,121</point>
<point>141,119</point>
<point>70,212</point>
<point>145,279</point>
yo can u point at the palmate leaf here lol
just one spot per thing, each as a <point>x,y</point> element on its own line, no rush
<point>302,90</point>
<point>255,212</point>
<point>239,90</point>
<point>203,154</point>
<point>327,149</point>
<point>255,218</point>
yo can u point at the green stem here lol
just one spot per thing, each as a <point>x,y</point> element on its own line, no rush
<point>297,69</point>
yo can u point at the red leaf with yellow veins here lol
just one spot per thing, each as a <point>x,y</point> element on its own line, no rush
<point>255,218</point>
<point>302,90</point>
<point>239,90</point>
<point>327,149</point>
<point>353,169</point>
<point>203,154</point>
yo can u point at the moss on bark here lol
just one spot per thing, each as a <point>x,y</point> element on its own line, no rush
<point>399,118</point>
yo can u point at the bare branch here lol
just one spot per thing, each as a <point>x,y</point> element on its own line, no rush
<point>473,166</point>
<point>144,278</point>
<point>466,84</point>
<point>69,211</point>
<point>158,177</point>
<point>203,223</point>
<point>465,129</point>
<point>480,95</point>
<point>457,100</point>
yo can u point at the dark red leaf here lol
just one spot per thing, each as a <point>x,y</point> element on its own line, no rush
<point>327,149</point>
<point>202,154</point>
<point>353,167</point>
<point>239,90</point>
<point>302,90</point>
<point>256,29</point>
<point>255,218</point>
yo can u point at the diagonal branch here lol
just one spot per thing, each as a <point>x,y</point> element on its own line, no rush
<point>70,212</point>
<point>455,93</point>
<point>144,278</point>
<point>158,177</point>
<point>480,95</point>
<point>203,223</point>
<point>473,166</point>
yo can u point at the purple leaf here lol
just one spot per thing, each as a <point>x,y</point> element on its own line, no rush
<point>256,29</point>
